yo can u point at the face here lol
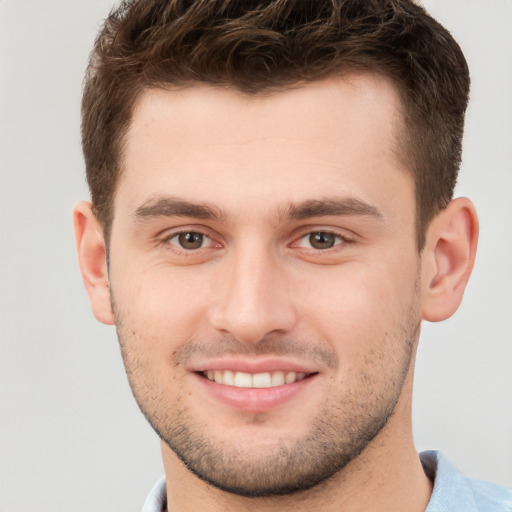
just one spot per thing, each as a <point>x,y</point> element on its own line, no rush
<point>265,277</point>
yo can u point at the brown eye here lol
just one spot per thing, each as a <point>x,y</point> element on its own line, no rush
<point>322,240</point>
<point>190,240</point>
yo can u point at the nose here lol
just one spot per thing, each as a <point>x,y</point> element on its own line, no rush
<point>253,298</point>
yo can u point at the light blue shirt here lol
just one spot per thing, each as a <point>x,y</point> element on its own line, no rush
<point>452,491</point>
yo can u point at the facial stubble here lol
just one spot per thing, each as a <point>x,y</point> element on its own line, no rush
<point>344,426</point>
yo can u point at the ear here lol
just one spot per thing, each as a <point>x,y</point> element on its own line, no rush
<point>91,250</point>
<point>448,259</point>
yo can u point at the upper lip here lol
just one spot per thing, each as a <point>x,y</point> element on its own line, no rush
<point>252,365</point>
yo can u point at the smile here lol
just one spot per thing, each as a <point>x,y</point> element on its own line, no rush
<point>254,380</point>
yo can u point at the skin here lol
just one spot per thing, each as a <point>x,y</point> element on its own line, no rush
<point>256,176</point>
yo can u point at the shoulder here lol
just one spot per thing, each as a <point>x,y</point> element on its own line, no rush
<point>453,492</point>
<point>488,495</point>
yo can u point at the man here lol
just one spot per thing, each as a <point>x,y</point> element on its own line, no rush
<point>271,219</point>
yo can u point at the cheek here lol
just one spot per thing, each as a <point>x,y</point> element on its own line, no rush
<point>155,315</point>
<point>356,297</point>
<point>361,313</point>
<point>162,296</point>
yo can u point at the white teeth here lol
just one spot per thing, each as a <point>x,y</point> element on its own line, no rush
<point>261,380</point>
<point>290,377</point>
<point>243,380</point>
<point>277,378</point>
<point>256,380</point>
<point>229,378</point>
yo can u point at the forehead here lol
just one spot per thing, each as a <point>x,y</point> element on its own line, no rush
<point>216,144</point>
<point>367,100</point>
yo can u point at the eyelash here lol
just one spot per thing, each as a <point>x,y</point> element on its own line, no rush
<point>168,240</point>
<point>339,240</point>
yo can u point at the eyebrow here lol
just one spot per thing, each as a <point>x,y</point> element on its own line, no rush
<point>171,207</point>
<point>338,206</point>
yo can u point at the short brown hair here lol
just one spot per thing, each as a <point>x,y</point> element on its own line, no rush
<point>263,46</point>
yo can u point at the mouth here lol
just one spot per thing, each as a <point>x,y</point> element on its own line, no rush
<point>255,392</point>
<point>255,384</point>
<point>261,380</point>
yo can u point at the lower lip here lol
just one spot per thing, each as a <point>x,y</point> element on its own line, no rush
<point>255,399</point>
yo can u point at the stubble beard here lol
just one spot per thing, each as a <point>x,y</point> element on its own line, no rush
<point>291,467</point>
<point>341,430</point>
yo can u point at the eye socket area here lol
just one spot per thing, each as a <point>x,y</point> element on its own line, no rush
<point>195,240</point>
<point>320,240</point>
<point>190,240</point>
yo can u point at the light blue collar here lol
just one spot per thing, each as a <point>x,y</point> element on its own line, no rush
<point>452,491</point>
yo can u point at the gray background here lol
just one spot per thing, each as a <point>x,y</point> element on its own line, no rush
<point>71,436</point>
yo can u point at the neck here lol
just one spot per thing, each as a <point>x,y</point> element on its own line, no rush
<point>386,476</point>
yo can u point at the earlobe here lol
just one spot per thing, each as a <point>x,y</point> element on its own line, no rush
<point>448,259</point>
<point>91,251</point>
